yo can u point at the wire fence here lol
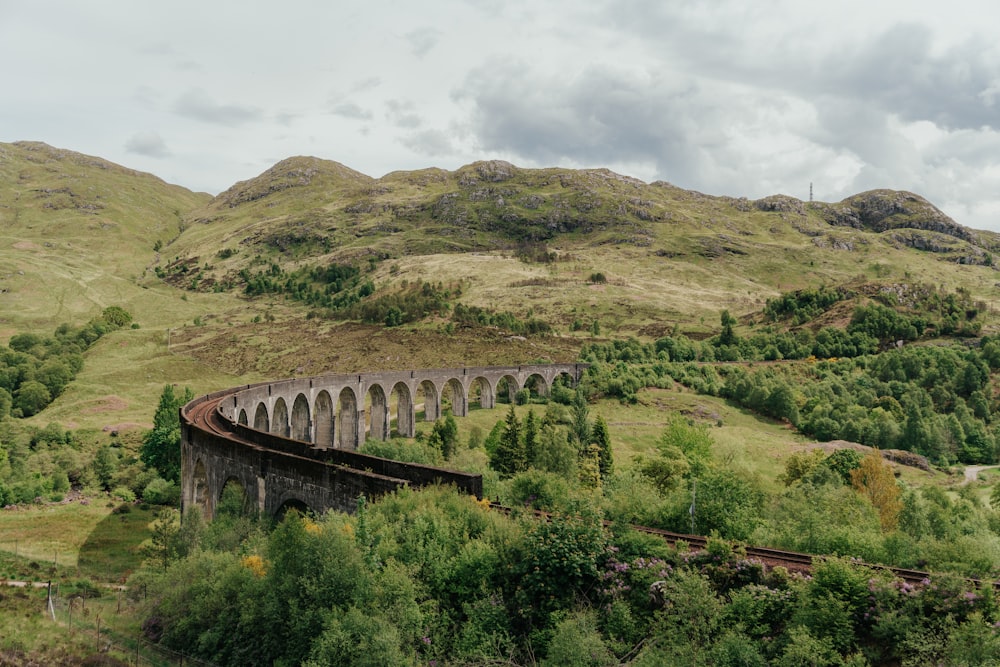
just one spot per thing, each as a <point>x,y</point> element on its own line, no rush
<point>87,618</point>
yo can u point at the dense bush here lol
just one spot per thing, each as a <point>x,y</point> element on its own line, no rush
<point>433,577</point>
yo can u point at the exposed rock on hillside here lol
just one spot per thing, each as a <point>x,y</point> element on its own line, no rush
<point>880,210</point>
<point>781,203</point>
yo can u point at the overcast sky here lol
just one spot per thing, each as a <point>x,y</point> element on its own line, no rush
<point>726,97</point>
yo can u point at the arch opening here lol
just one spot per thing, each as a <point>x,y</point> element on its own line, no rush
<point>427,395</point>
<point>377,413</point>
<point>233,500</point>
<point>301,426</point>
<point>279,422</point>
<point>324,421</point>
<point>347,420</point>
<point>242,420</point>
<point>453,398</point>
<point>293,505</point>
<point>260,418</point>
<point>506,389</point>
<point>481,394</point>
<point>405,412</point>
<point>538,388</point>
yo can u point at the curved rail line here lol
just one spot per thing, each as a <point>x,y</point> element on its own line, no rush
<point>792,560</point>
<point>207,416</point>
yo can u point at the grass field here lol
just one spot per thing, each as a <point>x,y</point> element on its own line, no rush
<point>73,540</point>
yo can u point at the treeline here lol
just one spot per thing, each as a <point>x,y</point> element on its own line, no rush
<point>463,315</point>
<point>411,303</point>
<point>340,291</point>
<point>35,369</point>
<point>933,400</point>
<point>39,465</point>
<point>43,464</point>
<point>333,287</point>
<point>932,311</point>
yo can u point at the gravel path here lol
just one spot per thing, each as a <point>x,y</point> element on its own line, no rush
<point>972,472</point>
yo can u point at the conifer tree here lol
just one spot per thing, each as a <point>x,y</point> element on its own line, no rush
<point>161,447</point>
<point>600,437</point>
<point>509,458</point>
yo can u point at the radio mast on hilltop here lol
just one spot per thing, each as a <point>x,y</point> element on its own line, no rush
<point>810,192</point>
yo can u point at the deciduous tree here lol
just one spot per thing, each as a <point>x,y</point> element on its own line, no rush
<point>875,480</point>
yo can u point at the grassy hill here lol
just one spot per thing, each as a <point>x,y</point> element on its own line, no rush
<point>566,247</point>
<point>529,239</point>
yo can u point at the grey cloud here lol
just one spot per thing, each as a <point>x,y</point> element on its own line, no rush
<point>596,118</point>
<point>400,113</point>
<point>150,144</point>
<point>898,70</point>
<point>363,85</point>
<point>423,40</point>
<point>352,111</point>
<point>157,49</point>
<point>429,142</point>
<point>900,73</point>
<point>197,104</point>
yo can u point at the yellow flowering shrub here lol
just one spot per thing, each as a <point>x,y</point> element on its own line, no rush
<point>255,564</point>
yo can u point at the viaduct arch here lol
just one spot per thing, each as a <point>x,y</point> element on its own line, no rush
<point>294,442</point>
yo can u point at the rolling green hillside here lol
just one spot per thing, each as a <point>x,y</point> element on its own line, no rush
<point>523,240</point>
<point>576,250</point>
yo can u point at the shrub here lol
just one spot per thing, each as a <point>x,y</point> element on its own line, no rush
<point>161,492</point>
<point>123,493</point>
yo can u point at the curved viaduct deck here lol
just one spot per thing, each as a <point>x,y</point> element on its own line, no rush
<point>291,443</point>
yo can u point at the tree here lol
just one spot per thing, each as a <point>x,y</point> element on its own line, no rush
<point>728,336</point>
<point>444,436</point>
<point>105,465</point>
<point>589,470</point>
<point>530,438</point>
<point>555,452</point>
<point>508,458</point>
<point>163,547</point>
<point>600,437</point>
<point>32,397</point>
<point>875,480</point>
<point>117,316</point>
<point>161,447</point>
<point>55,374</point>
<point>581,420</point>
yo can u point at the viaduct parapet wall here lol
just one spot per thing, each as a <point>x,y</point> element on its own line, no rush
<point>292,443</point>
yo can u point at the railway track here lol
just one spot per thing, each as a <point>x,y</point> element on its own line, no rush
<point>792,560</point>
<point>205,415</point>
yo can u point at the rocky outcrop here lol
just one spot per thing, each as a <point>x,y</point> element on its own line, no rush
<point>781,204</point>
<point>881,210</point>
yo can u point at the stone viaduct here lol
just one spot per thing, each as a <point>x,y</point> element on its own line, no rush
<point>292,443</point>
